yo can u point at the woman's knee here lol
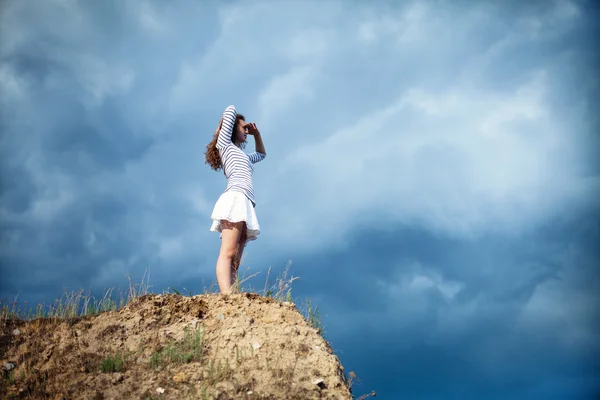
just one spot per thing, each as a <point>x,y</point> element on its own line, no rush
<point>228,248</point>
<point>227,252</point>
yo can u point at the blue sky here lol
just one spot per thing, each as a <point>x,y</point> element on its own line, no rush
<point>431,173</point>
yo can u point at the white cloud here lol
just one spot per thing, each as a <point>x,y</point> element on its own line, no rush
<point>255,43</point>
<point>566,306</point>
<point>310,43</point>
<point>416,282</point>
<point>398,26</point>
<point>462,161</point>
<point>14,87</point>
<point>56,195</point>
<point>99,79</point>
<point>285,90</point>
<point>150,19</point>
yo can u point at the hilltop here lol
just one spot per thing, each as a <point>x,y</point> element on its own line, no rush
<point>210,346</point>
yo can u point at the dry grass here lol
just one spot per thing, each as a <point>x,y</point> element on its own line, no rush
<point>76,304</point>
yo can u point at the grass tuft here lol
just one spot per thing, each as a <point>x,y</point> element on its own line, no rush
<point>281,289</point>
<point>115,363</point>
<point>180,352</point>
<point>313,316</point>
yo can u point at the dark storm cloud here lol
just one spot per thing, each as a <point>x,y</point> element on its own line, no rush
<point>70,128</point>
<point>521,320</point>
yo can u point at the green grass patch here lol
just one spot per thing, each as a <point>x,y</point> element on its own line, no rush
<point>114,363</point>
<point>313,316</point>
<point>180,352</point>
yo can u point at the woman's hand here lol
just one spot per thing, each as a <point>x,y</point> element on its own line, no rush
<point>251,129</point>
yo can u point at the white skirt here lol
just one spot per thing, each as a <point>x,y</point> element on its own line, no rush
<point>235,207</point>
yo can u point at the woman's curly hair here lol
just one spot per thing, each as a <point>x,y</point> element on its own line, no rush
<point>212,153</point>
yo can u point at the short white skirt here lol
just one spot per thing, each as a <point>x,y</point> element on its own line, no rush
<point>235,207</point>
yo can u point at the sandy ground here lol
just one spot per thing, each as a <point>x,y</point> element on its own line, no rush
<point>240,346</point>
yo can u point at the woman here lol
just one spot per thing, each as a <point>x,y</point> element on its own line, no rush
<point>233,215</point>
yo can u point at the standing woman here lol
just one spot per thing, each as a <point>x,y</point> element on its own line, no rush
<point>233,215</point>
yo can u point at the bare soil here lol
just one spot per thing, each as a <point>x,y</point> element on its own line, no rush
<point>239,346</point>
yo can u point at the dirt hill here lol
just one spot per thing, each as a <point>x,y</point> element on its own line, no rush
<point>240,346</point>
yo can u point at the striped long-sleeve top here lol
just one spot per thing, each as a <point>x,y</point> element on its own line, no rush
<point>237,165</point>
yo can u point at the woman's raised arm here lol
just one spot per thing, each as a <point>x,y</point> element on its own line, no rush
<point>227,123</point>
<point>260,153</point>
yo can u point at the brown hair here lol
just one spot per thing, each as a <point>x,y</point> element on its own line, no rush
<point>212,153</point>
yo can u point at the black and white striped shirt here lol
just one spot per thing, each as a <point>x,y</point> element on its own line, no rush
<point>237,165</point>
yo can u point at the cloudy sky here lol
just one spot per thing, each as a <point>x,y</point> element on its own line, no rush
<point>431,173</point>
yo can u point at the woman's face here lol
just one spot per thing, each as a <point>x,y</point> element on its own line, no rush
<point>239,136</point>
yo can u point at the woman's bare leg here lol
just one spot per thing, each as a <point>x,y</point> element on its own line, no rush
<point>230,237</point>
<point>235,265</point>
